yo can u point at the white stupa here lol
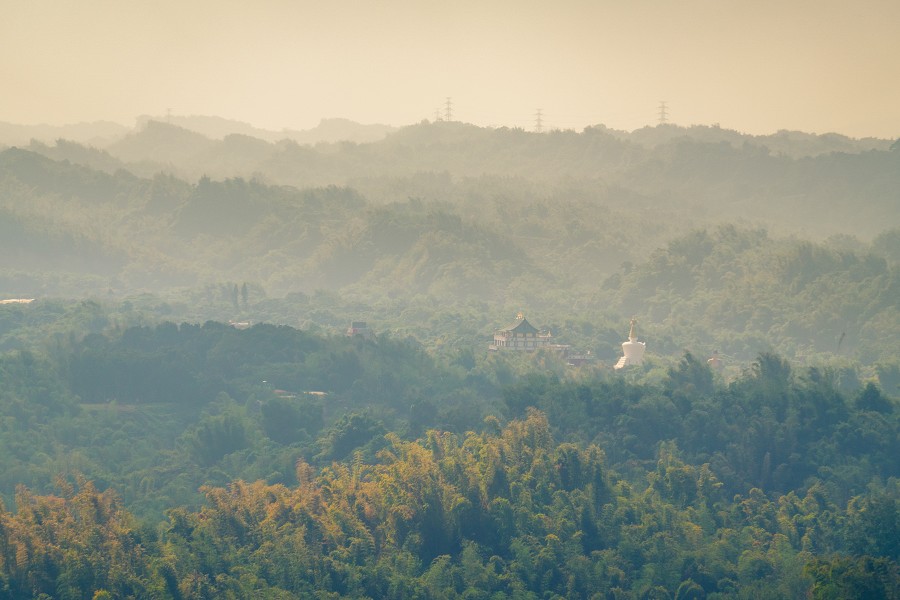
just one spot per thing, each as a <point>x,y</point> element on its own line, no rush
<point>632,349</point>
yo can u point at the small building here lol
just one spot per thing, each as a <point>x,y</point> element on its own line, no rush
<point>359,328</point>
<point>520,335</point>
<point>577,360</point>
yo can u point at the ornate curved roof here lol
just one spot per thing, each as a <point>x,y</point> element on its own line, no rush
<point>521,326</point>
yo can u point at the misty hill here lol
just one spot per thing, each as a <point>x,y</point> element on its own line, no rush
<point>96,133</point>
<point>103,133</point>
<point>737,289</point>
<point>161,143</point>
<point>33,244</point>
<point>332,236</point>
<point>340,130</point>
<point>61,180</point>
<point>73,152</point>
<point>703,173</point>
<point>327,131</point>
<point>796,144</point>
<point>501,244</point>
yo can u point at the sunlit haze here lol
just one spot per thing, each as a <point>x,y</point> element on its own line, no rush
<point>758,67</point>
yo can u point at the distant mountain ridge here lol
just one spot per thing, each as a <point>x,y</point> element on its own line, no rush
<point>796,144</point>
<point>101,134</point>
<point>708,174</point>
<point>95,133</point>
<point>328,130</point>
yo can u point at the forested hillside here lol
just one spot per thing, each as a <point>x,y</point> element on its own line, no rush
<point>183,416</point>
<point>800,183</point>
<point>384,472</point>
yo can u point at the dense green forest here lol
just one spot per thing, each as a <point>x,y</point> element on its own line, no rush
<point>182,415</point>
<point>383,471</point>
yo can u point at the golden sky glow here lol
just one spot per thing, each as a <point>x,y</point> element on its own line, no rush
<point>758,67</point>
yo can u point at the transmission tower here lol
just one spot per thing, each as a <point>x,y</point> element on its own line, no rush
<point>448,110</point>
<point>538,121</point>
<point>663,113</point>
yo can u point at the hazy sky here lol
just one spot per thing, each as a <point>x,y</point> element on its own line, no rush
<point>753,65</point>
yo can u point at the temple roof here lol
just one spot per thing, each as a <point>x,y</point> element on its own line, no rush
<point>521,326</point>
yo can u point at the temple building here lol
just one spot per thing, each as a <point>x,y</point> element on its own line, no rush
<point>521,335</point>
<point>633,350</point>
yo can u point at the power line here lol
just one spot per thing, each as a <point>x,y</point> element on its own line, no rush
<point>448,110</point>
<point>538,121</point>
<point>663,113</point>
